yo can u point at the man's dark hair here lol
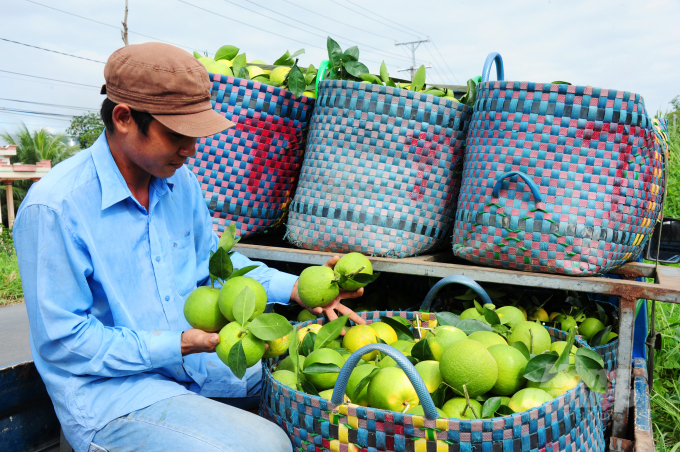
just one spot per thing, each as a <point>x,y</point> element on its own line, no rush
<point>141,118</point>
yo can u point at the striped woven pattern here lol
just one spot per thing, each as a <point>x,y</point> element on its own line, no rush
<point>570,422</point>
<point>593,156</point>
<point>248,172</point>
<point>381,171</point>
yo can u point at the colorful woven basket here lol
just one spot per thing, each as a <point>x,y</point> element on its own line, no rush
<point>248,173</point>
<point>571,422</point>
<point>381,171</point>
<point>557,178</point>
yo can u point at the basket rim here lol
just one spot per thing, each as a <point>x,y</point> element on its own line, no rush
<point>237,81</point>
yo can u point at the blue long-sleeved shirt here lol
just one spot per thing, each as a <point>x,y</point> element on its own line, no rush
<point>105,283</point>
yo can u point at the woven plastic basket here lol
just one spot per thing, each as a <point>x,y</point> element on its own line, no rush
<point>557,178</point>
<point>381,171</point>
<point>248,172</point>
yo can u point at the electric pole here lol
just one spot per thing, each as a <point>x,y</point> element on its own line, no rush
<point>123,32</point>
<point>413,45</point>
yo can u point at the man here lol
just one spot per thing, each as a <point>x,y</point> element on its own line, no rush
<point>110,243</point>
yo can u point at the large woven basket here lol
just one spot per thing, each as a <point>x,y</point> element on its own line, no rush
<point>381,171</point>
<point>248,172</point>
<point>557,178</point>
<point>571,422</point>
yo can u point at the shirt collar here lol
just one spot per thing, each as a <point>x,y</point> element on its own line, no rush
<point>113,186</point>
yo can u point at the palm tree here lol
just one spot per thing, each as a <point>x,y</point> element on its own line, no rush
<point>31,148</point>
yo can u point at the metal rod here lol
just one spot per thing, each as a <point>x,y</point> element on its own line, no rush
<point>624,366</point>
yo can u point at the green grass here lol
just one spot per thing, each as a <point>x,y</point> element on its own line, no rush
<point>10,282</point>
<point>672,206</point>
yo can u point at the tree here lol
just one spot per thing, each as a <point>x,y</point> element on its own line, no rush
<point>86,129</point>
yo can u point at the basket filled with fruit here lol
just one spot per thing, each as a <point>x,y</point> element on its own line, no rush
<point>248,173</point>
<point>410,380</point>
<point>382,163</point>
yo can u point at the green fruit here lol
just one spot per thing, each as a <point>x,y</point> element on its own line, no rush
<point>305,315</point>
<point>230,335</point>
<point>590,327</point>
<point>567,323</point>
<point>277,347</point>
<point>286,377</point>
<point>528,398</point>
<point>278,75</point>
<point>335,343</point>
<point>418,410</point>
<point>220,68</point>
<point>559,384</point>
<point>328,394</point>
<point>254,71</point>
<point>202,310</point>
<point>471,313</point>
<point>487,338</point>
<point>404,347</point>
<point>288,364</point>
<point>454,408</point>
<point>351,263</point>
<point>313,327</point>
<point>429,372</point>
<point>323,355</point>
<point>387,361</point>
<point>539,314</point>
<point>558,346</point>
<point>390,389</point>
<point>541,337</point>
<point>384,332</point>
<point>511,364</point>
<point>317,286</point>
<point>358,336</point>
<point>233,288</point>
<point>468,363</point>
<point>442,338</point>
<point>310,94</point>
<point>206,61</point>
<point>510,316</point>
<point>358,374</point>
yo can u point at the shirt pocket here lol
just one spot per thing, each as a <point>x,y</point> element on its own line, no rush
<point>183,255</point>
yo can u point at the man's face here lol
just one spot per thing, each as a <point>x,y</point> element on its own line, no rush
<point>162,151</point>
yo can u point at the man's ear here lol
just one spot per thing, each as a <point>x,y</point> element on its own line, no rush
<point>122,119</point>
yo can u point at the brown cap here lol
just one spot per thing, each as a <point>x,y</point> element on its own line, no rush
<point>167,82</point>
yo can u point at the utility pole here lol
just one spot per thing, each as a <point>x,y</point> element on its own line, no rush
<point>123,32</point>
<point>413,45</point>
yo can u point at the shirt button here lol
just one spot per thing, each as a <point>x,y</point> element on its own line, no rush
<point>158,258</point>
<point>167,298</point>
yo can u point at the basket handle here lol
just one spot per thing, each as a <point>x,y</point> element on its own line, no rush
<point>457,279</point>
<point>538,197</point>
<point>490,58</point>
<point>320,75</point>
<point>411,372</point>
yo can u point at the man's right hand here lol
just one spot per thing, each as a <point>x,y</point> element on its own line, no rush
<point>198,341</point>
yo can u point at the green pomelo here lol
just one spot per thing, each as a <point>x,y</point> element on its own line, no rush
<point>559,384</point>
<point>288,364</point>
<point>541,337</point>
<point>278,75</point>
<point>328,394</point>
<point>358,336</point>
<point>277,347</point>
<point>442,338</point>
<point>390,389</point>
<point>387,361</point>
<point>528,398</point>
<point>206,61</point>
<point>510,316</point>
<point>558,346</point>
<point>468,363</point>
<point>220,68</point>
<point>305,315</point>
<point>230,335</point>
<point>454,408</point>
<point>323,355</point>
<point>429,372</point>
<point>487,338</point>
<point>590,327</point>
<point>351,263</point>
<point>233,288</point>
<point>317,286</point>
<point>358,374</point>
<point>404,347</point>
<point>286,377</point>
<point>511,364</point>
<point>384,332</point>
<point>202,310</point>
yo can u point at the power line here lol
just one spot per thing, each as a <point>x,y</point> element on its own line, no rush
<point>447,64</point>
<point>108,25</point>
<point>383,17</point>
<point>48,105</point>
<point>435,69</point>
<point>380,52</point>
<point>53,51</point>
<point>51,79</point>
<point>53,116</point>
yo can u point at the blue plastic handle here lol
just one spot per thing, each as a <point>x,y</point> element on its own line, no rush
<point>490,58</point>
<point>538,197</point>
<point>454,279</point>
<point>320,75</point>
<point>341,383</point>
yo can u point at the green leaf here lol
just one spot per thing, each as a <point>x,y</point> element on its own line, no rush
<point>311,70</point>
<point>490,406</point>
<point>591,354</point>
<point>574,301</point>
<point>479,307</point>
<point>439,396</point>
<point>467,296</point>
<point>504,410</point>
<point>491,317</point>
<point>421,351</point>
<point>330,331</point>
<point>362,384</point>
<point>321,368</point>
<point>238,63</point>
<point>351,54</point>
<point>307,345</point>
<point>284,60</point>
<point>228,238</point>
<point>501,330</point>
<point>404,333</point>
<point>370,78</point>
<point>592,373</point>
<point>263,78</point>
<point>355,68</point>
<point>562,362</point>
<point>297,53</point>
<point>269,326</point>
<point>244,306</point>
<point>384,75</point>
<point>411,359</point>
<point>309,79</point>
<point>391,83</point>
<point>538,367</point>
<point>561,83</point>
<point>237,360</point>
<point>364,278</point>
<point>470,96</point>
<point>418,79</point>
<point>220,264</point>
<point>334,54</point>
<point>242,271</point>
<point>243,73</point>
<point>380,341</point>
<point>600,337</point>
<point>226,53</point>
<point>197,55</point>
<point>522,348</point>
<point>469,326</point>
<point>600,313</point>
<point>307,387</point>
<point>447,318</point>
<point>296,81</point>
<point>293,351</point>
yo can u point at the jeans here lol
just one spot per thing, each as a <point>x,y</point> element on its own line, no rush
<point>189,423</point>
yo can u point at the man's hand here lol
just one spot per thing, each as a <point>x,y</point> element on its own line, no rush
<point>198,341</point>
<point>335,305</point>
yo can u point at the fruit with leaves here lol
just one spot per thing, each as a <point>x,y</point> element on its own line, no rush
<point>429,372</point>
<point>202,310</point>
<point>286,377</point>
<point>511,365</point>
<point>384,332</point>
<point>539,314</point>
<point>562,382</point>
<point>459,408</point>
<point>358,336</point>
<point>350,265</point>
<point>355,378</point>
<point>305,315</point>
<point>277,347</point>
<point>287,363</point>
<point>528,398</point>
<point>313,328</point>
<point>320,379</point>
<point>590,327</point>
<point>488,338</point>
<point>231,335</point>
<point>510,315</point>
<point>468,363</point>
<point>317,286</point>
<point>242,286</point>
<point>442,337</point>
<point>403,346</point>
<point>390,389</point>
<point>532,334</point>
<point>471,313</point>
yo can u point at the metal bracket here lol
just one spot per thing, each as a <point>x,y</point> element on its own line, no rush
<point>620,445</point>
<point>624,367</point>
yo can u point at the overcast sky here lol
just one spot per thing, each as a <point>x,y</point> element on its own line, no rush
<point>625,45</point>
